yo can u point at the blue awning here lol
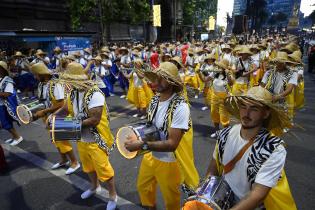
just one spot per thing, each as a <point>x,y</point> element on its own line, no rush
<point>39,39</point>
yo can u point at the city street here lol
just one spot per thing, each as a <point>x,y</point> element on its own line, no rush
<point>32,185</point>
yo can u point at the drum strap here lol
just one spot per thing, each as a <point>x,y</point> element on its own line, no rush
<point>230,165</point>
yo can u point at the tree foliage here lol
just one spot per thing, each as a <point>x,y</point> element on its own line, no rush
<point>128,11</point>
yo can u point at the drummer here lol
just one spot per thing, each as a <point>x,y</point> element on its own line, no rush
<point>171,161</point>
<point>87,102</point>
<point>8,103</point>
<point>250,157</point>
<point>53,97</point>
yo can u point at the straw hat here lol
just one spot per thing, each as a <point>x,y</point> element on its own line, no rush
<point>105,54</point>
<point>254,47</point>
<point>40,69</point>
<point>190,51</point>
<point>200,50</point>
<point>71,57</point>
<point>226,47</point>
<point>263,45</point>
<point>224,64</point>
<point>289,48</point>
<point>40,52</point>
<point>76,54</point>
<point>57,49</point>
<point>105,49</point>
<point>209,57</point>
<point>138,61</point>
<point>282,57</point>
<point>245,50</point>
<point>278,119</point>
<point>168,71</point>
<point>18,54</point>
<point>296,56</point>
<point>4,65</point>
<point>97,58</point>
<point>123,49</point>
<point>178,60</point>
<point>87,50</point>
<point>232,43</point>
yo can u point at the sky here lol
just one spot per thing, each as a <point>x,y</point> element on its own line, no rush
<point>225,6</point>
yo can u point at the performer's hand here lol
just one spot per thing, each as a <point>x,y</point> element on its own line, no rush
<point>132,145</point>
<point>275,98</point>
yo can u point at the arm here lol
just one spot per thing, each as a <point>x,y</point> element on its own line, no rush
<point>53,108</point>
<point>212,169</point>
<point>94,117</point>
<point>88,66</point>
<point>255,197</point>
<point>284,94</point>
<point>5,95</point>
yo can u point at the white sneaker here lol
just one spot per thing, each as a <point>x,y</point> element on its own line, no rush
<point>58,165</point>
<point>123,96</point>
<point>8,141</point>
<point>72,170</point>
<point>214,135</point>
<point>111,94</point>
<point>88,193</point>
<point>196,96</point>
<point>143,117</point>
<point>16,141</point>
<point>204,108</point>
<point>135,115</point>
<point>112,204</point>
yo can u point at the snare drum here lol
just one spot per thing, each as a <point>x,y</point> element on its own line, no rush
<point>65,129</point>
<point>27,109</point>
<point>214,194</point>
<point>138,132</point>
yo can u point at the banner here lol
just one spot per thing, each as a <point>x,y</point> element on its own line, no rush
<point>211,23</point>
<point>73,43</point>
<point>157,15</point>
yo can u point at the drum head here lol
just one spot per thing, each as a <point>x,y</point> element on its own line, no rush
<point>196,205</point>
<point>121,138</point>
<point>24,114</point>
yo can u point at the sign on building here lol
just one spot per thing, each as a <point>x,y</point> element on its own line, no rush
<point>157,15</point>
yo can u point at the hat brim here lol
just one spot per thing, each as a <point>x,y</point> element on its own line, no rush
<point>220,65</point>
<point>277,121</point>
<point>153,76</point>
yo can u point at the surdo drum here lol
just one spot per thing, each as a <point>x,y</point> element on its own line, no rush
<point>65,129</point>
<point>26,110</point>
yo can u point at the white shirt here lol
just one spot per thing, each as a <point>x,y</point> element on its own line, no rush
<point>180,121</point>
<point>36,60</point>
<point>228,56</point>
<point>137,82</point>
<point>9,88</point>
<point>98,72</point>
<point>190,61</point>
<point>125,59</point>
<point>279,81</point>
<point>268,174</point>
<point>243,80</point>
<point>43,93</point>
<point>219,84</point>
<point>97,100</point>
<point>107,62</point>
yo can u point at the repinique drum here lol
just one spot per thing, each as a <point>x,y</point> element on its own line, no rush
<point>65,129</point>
<point>27,109</point>
<point>138,132</point>
<point>214,194</point>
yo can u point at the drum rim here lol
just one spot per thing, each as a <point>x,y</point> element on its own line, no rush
<point>28,111</point>
<point>134,154</point>
<point>197,201</point>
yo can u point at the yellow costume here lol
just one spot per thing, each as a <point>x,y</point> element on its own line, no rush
<point>239,88</point>
<point>299,95</point>
<point>218,112</point>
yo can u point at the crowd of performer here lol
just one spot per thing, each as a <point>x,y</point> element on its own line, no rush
<point>258,81</point>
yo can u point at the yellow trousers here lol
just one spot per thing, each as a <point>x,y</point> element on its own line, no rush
<point>207,91</point>
<point>94,159</point>
<point>166,175</point>
<point>63,146</point>
<point>239,89</point>
<point>192,81</point>
<point>299,95</point>
<point>290,104</point>
<point>255,79</point>
<point>219,114</point>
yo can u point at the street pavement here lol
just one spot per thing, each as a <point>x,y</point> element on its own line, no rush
<point>30,184</point>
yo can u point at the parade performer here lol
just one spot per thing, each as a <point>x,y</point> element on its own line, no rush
<point>280,81</point>
<point>255,75</point>
<point>123,64</point>
<point>41,57</point>
<point>242,69</point>
<point>181,71</point>
<point>139,92</point>
<point>298,67</point>
<point>190,77</point>
<point>205,75</point>
<point>109,78</point>
<point>220,90</point>
<point>171,161</point>
<point>8,104</point>
<point>53,96</point>
<point>250,157</point>
<point>56,58</point>
<point>87,102</point>
<point>79,58</point>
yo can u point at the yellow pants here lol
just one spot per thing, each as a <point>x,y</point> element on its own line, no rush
<point>299,95</point>
<point>63,146</point>
<point>166,175</point>
<point>207,96</point>
<point>218,112</point>
<point>192,81</point>
<point>255,79</point>
<point>239,89</point>
<point>94,159</point>
<point>290,104</point>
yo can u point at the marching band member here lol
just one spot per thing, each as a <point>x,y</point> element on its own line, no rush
<point>79,59</point>
<point>87,54</point>
<point>227,54</point>
<point>254,76</point>
<point>41,57</point>
<point>53,97</point>
<point>220,83</point>
<point>171,161</point>
<point>250,157</point>
<point>55,60</point>
<point>87,102</point>
<point>190,78</point>
<point>205,75</point>
<point>8,104</point>
<point>108,79</point>
<point>139,92</point>
<point>124,63</point>
<point>280,81</point>
<point>242,69</point>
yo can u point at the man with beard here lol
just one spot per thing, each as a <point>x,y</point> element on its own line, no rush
<point>171,161</point>
<point>249,157</point>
